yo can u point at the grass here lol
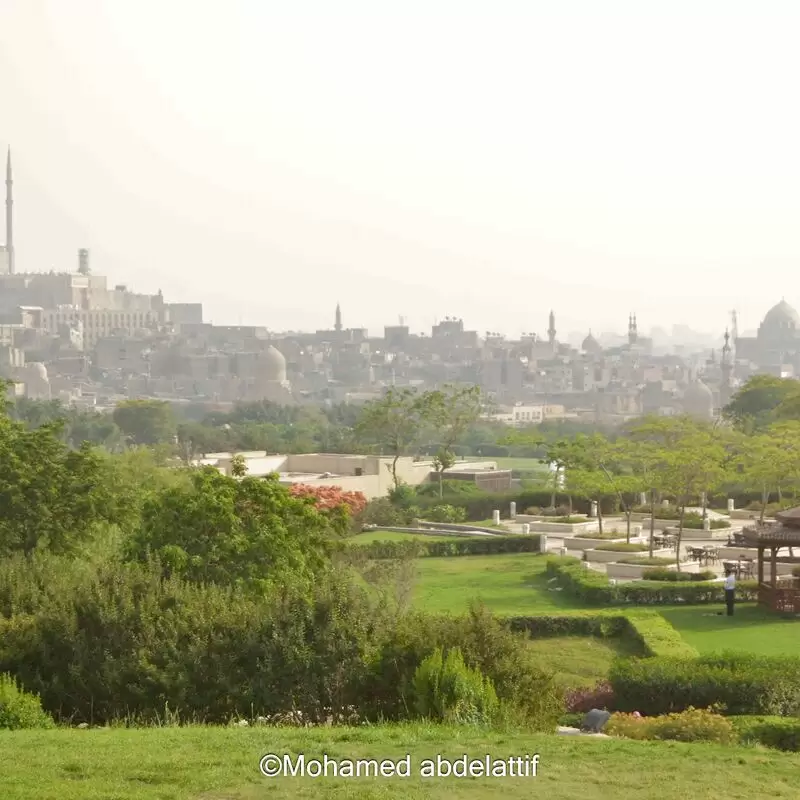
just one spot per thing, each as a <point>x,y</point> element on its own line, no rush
<point>222,764</point>
<point>515,585</point>
<point>517,464</point>
<point>579,660</point>
<point>752,629</point>
<point>507,584</point>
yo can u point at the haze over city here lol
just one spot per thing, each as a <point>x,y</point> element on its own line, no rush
<point>485,161</point>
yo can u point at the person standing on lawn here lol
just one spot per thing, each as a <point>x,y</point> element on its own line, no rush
<point>730,590</point>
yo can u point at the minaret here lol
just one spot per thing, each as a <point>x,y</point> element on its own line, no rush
<point>9,214</point>
<point>551,331</point>
<point>633,334</point>
<point>338,324</point>
<point>727,371</point>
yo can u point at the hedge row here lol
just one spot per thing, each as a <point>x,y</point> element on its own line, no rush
<point>653,635</point>
<point>594,588</point>
<point>459,546</point>
<point>780,733</point>
<point>740,683</point>
<point>479,505</point>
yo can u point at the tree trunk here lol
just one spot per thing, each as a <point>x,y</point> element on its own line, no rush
<point>394,470</point>
<point>680,536</point>
<point>599,518</point>
<point>555,487</point>
<point>652,519</point>
<point>441,487</point>
<point>765,493</point>
<point>628,524</point>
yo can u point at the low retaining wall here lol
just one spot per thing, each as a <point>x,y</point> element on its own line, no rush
<point>457,527</point>
<point>699,535</point>
<point>440,532</point>
<point>564,528</point>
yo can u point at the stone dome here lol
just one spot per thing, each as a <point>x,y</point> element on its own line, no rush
<point>273,365</point>
<point>590,344</point>
<point>37,369</point>
<point>780,320</point>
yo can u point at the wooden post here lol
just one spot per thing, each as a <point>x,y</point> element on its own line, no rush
<point>760,566</point>
<point>773,566</point>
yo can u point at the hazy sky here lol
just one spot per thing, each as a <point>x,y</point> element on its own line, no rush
<point>481,159</point>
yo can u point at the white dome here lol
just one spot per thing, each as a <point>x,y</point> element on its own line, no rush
<point>273,365</point>
<point>779,322</point>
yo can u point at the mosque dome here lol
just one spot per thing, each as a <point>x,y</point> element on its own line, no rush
<point>698,400</point>
<point>37,369</point>
<point>590,344</point>
<point>273,366</point>
<point>778,321</point>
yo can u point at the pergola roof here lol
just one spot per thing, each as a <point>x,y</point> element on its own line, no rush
<point>790,518</point>
<point>782,534</point>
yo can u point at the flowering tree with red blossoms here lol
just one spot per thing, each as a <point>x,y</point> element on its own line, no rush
<point>330,497</point>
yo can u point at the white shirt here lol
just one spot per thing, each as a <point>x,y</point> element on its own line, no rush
<point>730,581</point>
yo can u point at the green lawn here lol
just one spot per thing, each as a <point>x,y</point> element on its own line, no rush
<point>507,584</point>
<point>514,585</point>
<point>223,764</point>
<point>519,464</point>
<point>579,660</point>
<point>751,629</point>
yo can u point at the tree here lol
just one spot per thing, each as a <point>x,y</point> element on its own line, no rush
<point>452,411</point>
<point>395,424</point>
<point>328,497</point>
<point>146,421</point>
<point>694,465</point>
<point>756,403</point>
<point>238,466</point>
<point>217,529</point>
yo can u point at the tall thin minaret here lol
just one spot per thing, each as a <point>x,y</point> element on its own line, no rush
<point>551,331</point>
<point>9,214</point>
<point>633,333</point>
<point>338,324</point>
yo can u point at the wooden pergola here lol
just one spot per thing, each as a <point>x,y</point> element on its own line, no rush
<point>778,594</point>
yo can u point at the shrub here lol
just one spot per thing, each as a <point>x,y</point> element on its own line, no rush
<point>383,513</point>
<point>570,520</point>
<point>646,561</point>
<point>743,684</point>
<point>594,588</point>
<point>780,733</point>
<point>584,699</point>
<point>20,709</point>
<point>691,725</point>
<point>796,571</point>
<point>646,631</point>
<point>447,690</point>
<point>455,546</point>
<point>533,511</point>
<point>557,511</point>
<point>604,536</point>
<point>674,575</point>
<point>447,513</point>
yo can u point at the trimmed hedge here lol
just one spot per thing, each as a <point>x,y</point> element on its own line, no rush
<point>780,733</point>
<point>741,683</point>
<point>672,575</point>
<point>459,546</point>
<point>594,588</point>
<point>647,629</point>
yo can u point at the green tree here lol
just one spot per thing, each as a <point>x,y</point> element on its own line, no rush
<point>396,424</point>
<point>762,397</point>
<point>693,466</point>
<point>222,530</point>
<point>451,412</point>
<point>146,421</point>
